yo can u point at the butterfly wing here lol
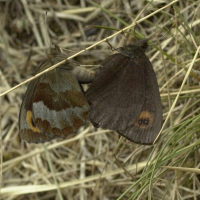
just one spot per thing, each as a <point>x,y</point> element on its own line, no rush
<point>27,130</point>
<point>53,106</point>
<point>120,97</point>
<point>148,124</point>
<point>112,94</point>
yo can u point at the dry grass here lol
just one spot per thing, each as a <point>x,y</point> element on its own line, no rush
<point>84,166</point>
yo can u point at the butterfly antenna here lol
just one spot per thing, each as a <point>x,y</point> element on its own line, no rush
<point>112,48</point>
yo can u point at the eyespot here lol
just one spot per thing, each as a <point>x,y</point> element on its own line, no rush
<point>145,120</point>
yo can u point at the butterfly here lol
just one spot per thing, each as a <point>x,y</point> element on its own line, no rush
<point>54,104</point>
<point>124,95</point>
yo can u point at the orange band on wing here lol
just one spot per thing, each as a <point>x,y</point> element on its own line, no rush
<point>29,120</point>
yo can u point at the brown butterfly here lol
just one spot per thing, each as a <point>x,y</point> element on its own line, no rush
<point>124,96</point>
<point>54,104</point>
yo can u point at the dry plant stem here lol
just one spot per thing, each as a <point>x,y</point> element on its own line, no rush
<point>169,80</point>
<point>121,166</point>
<point>184,169</point>
<point>192,91</point>
<point>176,99</point>
<point>30,17</point>
<point>50,147</point>
<point>18,190</point>
<point>105,4</point>
<point>53,172</point>
<point>99,181</point>
<point>90,47</point>
<point>1,153</point>
<point>82,170</point>
<point>168,89</point>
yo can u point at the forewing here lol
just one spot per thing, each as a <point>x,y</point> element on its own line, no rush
<point>116,95</point>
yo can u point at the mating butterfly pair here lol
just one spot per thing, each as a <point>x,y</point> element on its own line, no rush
<point>123,96</point>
